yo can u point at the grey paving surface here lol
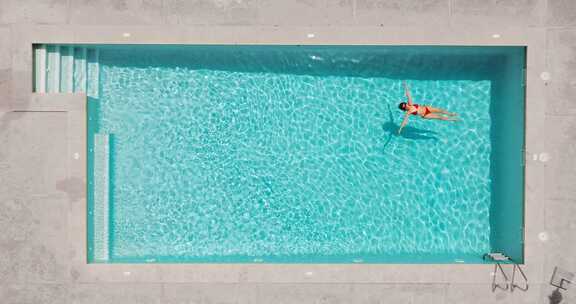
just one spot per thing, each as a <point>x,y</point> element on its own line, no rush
<point>561,13</point>
<point>37,193</point>
<point>111,12</point>
<point>496,12</point>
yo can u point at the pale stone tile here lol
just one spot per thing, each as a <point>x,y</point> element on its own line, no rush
<point>35,147</point>
<point>401,12</point>
<point>201,293</point>
<point>116,12</point>
<point>202,273</point>
<point>371,293</point>
<point>15,220</point>
<point>20,89</point>
<point>26,261</point>
<point>37,152</point>
<point>33,11</point>
<point>429,293</point>
<point>559,250</point>
<point>47,102</point>
<point>305,12</point>
<point>77,236</point>
<point>560,157</point>
<point>313,273</point>
<point>208,12</point>
<point>34,247</point>
<point>75,184</point>
<point>113,273</point>
<point>340,293</point>
<point>416,273</point>
<point>561,58</point>
<point>469,274</point>
<point>34,293</point>
<point>344,273</point>
<point>77,102</point>
<point>115,293</point>
<point>137,34</point>
<point>32,250</point>
<point>534,254</point>
<point>285,35</point>
<point>498,12</point>
<point>560,214</point>
<point>302,294</point>
<point>5,120</point>
<point>482,294</point>
<point>74,187</point>
<point>298,12</point>
<point>394,293</point>
<point>339,12</point>
<point>5,90</point>
<point>5,48</point>
<point>561,12</point>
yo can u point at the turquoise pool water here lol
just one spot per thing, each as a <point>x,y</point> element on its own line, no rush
<point>290,154</point>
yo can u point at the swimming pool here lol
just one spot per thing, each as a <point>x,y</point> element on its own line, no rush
<point>290,154</point>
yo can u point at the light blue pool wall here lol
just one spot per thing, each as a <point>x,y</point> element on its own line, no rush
<point>507,161</point>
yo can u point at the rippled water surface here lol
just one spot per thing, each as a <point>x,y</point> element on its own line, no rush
<point>290,154</point>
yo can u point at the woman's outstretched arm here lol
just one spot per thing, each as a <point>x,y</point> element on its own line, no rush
<point>404,122</point>
<point>407,90</point>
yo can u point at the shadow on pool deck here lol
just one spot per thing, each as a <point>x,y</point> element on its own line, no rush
<point>408,132</point>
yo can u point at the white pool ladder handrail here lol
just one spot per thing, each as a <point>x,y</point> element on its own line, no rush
<point>499,257</point>
<point>494,284</point>
<point>513,285</point>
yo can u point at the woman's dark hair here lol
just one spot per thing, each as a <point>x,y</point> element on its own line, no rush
<point>402,106</point>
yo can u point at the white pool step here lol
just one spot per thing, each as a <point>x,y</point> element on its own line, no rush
<point>66,69</point>
<point>40,69</point>
<point>80,70</point>
<point>93,72</point>
<point>53,69</point>
<point>101,206</point>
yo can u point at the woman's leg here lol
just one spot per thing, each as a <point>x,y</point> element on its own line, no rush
<point>440,117</point>
<point>438,110</point>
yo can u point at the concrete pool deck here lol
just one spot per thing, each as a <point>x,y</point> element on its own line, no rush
<point>42,148</point>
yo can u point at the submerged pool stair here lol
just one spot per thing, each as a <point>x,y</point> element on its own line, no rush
<point>66,69</point>
<point>101,216</point>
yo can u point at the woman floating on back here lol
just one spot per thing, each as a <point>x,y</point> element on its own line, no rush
<point>426,112</point>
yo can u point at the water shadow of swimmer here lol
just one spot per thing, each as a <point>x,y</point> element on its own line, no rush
<point>408,132</point>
